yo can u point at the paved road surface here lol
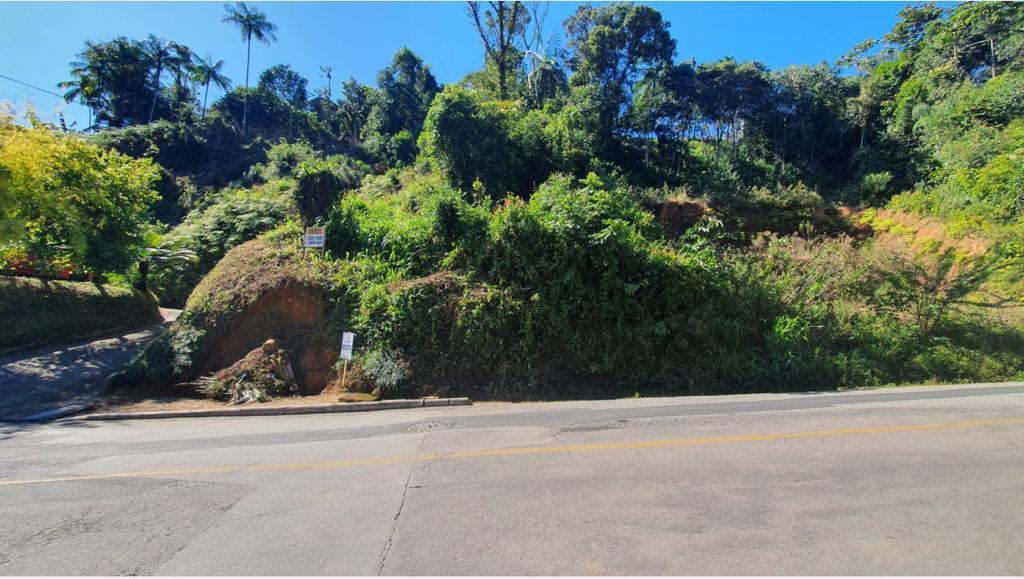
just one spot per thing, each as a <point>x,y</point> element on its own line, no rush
<point>909,481</point>
<point>44,378</point>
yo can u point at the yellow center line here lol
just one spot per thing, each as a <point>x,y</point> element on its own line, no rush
<point>527,450</point>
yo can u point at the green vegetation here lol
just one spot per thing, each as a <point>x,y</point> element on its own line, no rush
<point>223,221</point>
<point>593,220</point>
<point>62,198</point>
<point>576,293</point>
<point>254,291</point>
<point>34,312</point>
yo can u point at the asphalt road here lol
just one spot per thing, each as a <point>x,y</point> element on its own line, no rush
<point>909,481</point>
<point>45,378</point>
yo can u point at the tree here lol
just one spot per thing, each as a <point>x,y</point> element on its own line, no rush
<point>159,52</point>
<point>500,28</point>
<point>208,72</point>
<point>984,39</point>
<point>284,83</point>
<point>116,79</point>
<point>62,197</point>
<point>327,71</point>
<point>734,97</point>
<point>252,23</point>
<point>269,116</point>
<point>546,78</point>
<point>912,25</point>
<point>405,90</point>
<point>664,102</point>
<point>355,107</point>
<point>611,48</point>
<point>810,127</point>
<point>662,115</point>
<point>183,68</point>
<point>82,89</point>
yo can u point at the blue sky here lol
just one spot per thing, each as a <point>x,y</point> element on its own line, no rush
<point>38,40</point>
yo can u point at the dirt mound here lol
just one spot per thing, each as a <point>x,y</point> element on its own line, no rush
<point>263,373</point>
<point>255,293</point>
<point>290,313</point>
<point>905,232</point>
<point>678,216</point>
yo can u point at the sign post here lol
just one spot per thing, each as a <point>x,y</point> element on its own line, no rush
<point>314,237</point>
<point>347,339</point>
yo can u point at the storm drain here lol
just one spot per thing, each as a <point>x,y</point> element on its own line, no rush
<point>431,426</point>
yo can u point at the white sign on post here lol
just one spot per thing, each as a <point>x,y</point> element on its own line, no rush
<point>314,237</point>
<point>346,345</point>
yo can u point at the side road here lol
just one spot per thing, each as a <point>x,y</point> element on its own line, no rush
<point>35,382</point>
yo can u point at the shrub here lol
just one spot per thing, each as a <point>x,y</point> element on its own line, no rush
<point>320,183</point>
<point>412,231</point>
<point>283,159</point>
<point>225,221</point>
<point>561,284</point>
<point>63,197</point>
<point>875,186</point>
<point>211,153</point>
<point>498,145</point>
<point>573,294</point>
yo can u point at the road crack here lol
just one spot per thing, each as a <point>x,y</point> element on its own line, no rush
<point>401,505</point>
<point>561,443</point>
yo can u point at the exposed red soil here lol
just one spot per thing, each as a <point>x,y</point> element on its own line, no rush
<point>289,314</point>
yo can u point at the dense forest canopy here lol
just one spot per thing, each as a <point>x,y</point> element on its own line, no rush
<point>590,151</point>
<point>607,91</point>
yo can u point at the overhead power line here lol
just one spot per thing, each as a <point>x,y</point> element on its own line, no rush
<point>31,86</point>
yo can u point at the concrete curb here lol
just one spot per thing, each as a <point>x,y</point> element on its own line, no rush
<point>283,410</point>
<point>55,413</point>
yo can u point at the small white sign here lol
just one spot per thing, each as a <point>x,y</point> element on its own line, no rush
<point>314,237</point>
<point>346,345</point>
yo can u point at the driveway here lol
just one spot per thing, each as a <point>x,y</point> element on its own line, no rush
<point>50,377</point>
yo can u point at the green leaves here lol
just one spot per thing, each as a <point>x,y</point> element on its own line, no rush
<point>502,146</point>
<point>63,196</point>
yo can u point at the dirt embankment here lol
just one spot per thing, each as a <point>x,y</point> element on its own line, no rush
<point>254,294</point>
<point>290,314</point>
<point>902,231</point>
<point>677,216</point>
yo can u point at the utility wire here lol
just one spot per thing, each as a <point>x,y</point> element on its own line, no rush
<point>32,86</point>
<point>200,143</point>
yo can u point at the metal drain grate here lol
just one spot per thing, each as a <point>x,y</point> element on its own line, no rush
<point>431,426</point>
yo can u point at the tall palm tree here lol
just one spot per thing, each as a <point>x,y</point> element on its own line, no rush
<point>159,52</point>
<point>252,24</point>
<point>209,72</point>
<point>81,88</point>
<point>182,67</point>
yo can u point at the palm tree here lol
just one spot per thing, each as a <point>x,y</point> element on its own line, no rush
<point>182,67</point>
<point>546,79</point>
<point>159,52</point>
<point>547,76</point>
<point>82,88</point>
<point>209,72</point>
<point>252,24</point>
